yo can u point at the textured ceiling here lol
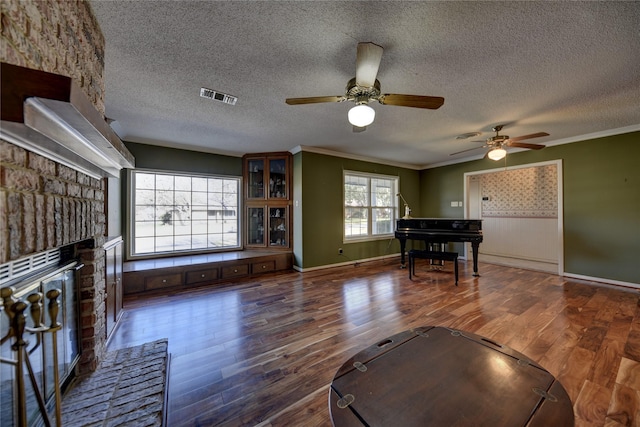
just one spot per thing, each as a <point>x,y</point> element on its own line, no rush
<point>566,68</point>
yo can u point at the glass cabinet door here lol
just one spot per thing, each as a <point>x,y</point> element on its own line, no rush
<point>278,179</point>
<point>255,228</point>
<point>268,190</point>
<point>278,226</point>
<point>255,177</point>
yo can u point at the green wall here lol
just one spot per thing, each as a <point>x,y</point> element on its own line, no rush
<point>171,159</point>
<point>601,188</point>
<point>320,213</point>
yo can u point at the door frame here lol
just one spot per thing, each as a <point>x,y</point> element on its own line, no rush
<point>560,233</point>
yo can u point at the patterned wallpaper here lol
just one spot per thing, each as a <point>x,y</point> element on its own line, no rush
<point>521,193</point>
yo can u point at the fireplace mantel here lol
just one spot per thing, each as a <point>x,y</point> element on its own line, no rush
<point>49,114</point>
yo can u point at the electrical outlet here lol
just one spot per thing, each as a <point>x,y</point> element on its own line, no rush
<point>339,251</point>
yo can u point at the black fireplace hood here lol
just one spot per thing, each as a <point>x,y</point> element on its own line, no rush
<point>50,115</point>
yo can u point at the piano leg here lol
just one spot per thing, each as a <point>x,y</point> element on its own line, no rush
<point>403,244</point>
<point>475,246</point>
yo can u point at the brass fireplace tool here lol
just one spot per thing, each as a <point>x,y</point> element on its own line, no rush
<point>15,310</point>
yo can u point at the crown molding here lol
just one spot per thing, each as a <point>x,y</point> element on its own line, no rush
<point>579,138</point>
<point>318,150</point>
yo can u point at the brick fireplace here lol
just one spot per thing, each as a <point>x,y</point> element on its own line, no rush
<point>47,204</point>
<point>44,205</point>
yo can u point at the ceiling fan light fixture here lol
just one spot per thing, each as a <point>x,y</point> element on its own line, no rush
<point>361,115</point>
<point>497,153</point>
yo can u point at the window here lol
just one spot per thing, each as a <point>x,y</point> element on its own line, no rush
<point>175,212</point>
<point>370,206</point>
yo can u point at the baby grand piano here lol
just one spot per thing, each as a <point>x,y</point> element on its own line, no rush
<point>440,230</point>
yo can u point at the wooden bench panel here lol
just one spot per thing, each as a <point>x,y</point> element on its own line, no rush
<point>263,266</point>
<point>157,275</point>
<point>235,271</point>
<point>200,276</point>
<point>162,281</point>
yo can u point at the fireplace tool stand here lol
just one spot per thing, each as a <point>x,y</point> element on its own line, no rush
<point>15,310</point>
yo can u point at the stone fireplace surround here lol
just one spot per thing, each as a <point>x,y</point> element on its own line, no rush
<point>45,204</point>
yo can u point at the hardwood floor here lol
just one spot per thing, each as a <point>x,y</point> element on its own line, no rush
<point>263,352</point>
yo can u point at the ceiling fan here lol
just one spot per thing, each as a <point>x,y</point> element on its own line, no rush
<point>497,143</point>
<point>364,87</point>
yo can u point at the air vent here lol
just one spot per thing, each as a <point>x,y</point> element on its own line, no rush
<point>24,266</point>
<point>218,96</point>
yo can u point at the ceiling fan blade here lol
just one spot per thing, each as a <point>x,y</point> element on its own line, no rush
<point>368,60</point>
<point>415,101</point>
<point>469,149</point>
<point>358,129</point>
<point>525,145</point>
<point>314,100</point>
<point>533,135</point>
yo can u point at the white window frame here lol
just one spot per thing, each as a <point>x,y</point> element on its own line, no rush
<point>133,253</point>
<point>393,207</point>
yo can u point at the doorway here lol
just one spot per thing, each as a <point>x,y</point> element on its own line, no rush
<point>521,212</point>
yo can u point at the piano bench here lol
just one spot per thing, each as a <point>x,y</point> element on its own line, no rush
<point>443,256</point>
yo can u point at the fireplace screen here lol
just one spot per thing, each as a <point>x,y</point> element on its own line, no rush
<point>35,366</point>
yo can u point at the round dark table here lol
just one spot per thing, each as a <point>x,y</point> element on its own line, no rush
<point>435,376</point>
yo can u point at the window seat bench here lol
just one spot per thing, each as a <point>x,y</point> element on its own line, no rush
<point>182,272</point>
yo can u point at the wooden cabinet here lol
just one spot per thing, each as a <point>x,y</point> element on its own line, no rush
<point>267,176</point>
<point>237,270</point>
<point>144,276</point>
<point>267,200</point>
<point>163,281</point>
<point>201,276</point>
<point>263,266</point>
<point>113,280</point>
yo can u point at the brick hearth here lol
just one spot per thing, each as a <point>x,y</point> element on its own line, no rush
<point>127,389</point>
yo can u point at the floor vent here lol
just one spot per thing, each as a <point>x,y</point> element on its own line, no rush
<point>218,96</point>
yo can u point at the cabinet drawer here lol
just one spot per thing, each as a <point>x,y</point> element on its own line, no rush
<point>263,267</point>
<point>162,281</point>
<point>235,271</point>
<point>200,276</point>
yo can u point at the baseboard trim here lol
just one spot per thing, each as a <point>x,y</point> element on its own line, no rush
<point>563,274</point>
<point>602,280</point>
<point>526,264</point>
<point>354,262</point>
